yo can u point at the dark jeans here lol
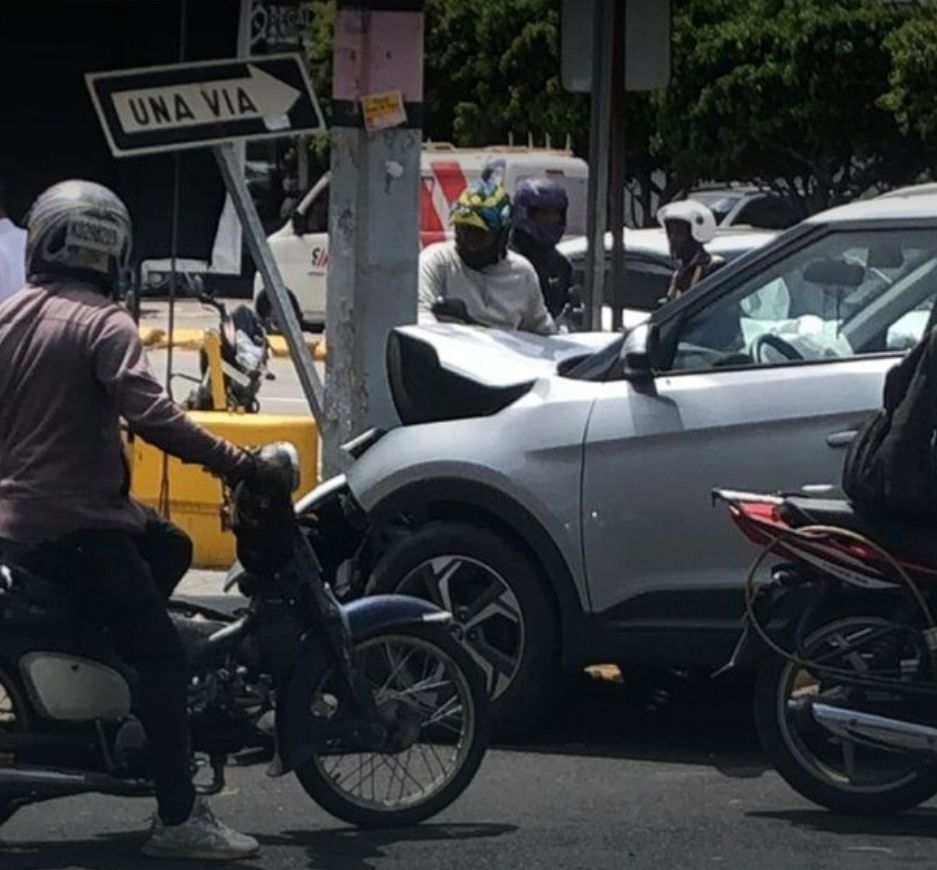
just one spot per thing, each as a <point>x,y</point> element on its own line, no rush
<point>122,582</point>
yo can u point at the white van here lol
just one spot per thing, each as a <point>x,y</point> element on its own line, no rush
<point>301,245</point>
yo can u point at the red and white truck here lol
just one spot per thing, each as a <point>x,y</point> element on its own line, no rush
<point>301,245</point>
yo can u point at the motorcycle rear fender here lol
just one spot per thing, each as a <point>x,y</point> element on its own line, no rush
<point>298,733</point>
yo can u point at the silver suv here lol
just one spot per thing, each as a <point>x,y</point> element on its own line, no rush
<point>553,493</point>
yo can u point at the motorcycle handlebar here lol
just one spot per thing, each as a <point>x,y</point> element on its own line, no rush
<point>207,299</point>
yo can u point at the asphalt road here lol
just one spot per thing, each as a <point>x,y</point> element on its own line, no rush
<point>618,778</point>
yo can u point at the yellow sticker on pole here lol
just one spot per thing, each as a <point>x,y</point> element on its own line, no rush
<point>383,110</point>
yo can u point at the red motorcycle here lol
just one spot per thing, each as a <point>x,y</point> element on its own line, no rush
<point>839,624</point>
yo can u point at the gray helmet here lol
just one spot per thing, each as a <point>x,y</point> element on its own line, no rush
<point>78,228</point>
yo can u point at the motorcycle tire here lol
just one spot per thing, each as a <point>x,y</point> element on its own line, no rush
<point>323,785</point>
<point>781,747</point>
<point>13,718</point>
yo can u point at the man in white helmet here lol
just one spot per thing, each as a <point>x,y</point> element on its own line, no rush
<point>689,225</point>
<point>72,365</point>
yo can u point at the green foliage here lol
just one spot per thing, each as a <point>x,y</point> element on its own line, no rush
<point>819,99</point>
<point>492,70</point>
<point>913,97</point>
<point>786,93</point>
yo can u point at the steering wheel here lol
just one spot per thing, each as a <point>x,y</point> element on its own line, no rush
<point>777,344</point>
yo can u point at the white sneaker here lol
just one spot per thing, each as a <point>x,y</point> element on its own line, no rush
<point>201,837</point>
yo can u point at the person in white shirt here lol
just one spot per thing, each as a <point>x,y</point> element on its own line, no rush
<point>498,287</point>
<point>12,252</point>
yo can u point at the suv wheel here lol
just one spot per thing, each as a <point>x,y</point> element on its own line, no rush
<point>502,613</point>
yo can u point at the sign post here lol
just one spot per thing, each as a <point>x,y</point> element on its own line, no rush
<point>609,47</point>
<point>216,103</point>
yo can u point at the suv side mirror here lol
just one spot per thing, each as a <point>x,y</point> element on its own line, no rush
<point>300,223</point>
<point>636,354</point>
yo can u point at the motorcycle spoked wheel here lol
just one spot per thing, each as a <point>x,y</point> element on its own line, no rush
<point>839,774</point>
<point>432,694</point>
<point>13,719</point>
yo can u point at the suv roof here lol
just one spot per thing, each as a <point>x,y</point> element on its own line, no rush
<point>653,240</point>
<point>897,205</point>
<point>912,190</point>
<point>727,189</point>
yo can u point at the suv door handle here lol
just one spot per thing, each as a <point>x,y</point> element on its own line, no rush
<point>841,439</point>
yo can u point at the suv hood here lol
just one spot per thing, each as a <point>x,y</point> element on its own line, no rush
<point>447,371</point>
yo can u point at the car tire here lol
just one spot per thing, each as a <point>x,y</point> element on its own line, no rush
<point>264,310</point>
<point>503,612</point>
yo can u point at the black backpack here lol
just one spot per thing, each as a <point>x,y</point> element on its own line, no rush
<point>891,465</point>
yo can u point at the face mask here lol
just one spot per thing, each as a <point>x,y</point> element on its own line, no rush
<point>475,248</point>
<point>544,234</point>
<point>477,259</point>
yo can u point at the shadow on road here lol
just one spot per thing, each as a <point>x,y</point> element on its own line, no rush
<point>352,849</point>
<point>655,716</point>
<point>103,852</point>
<point>918,823</point>
<point>328,849</point>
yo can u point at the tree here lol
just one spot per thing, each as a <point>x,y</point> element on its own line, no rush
<point>493,71</point>
<point>794,95</point>
<point>913,51</point>
<point>787,94</point>
<point>320,42</point>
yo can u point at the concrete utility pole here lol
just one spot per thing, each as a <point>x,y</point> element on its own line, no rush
<point>374,208</point>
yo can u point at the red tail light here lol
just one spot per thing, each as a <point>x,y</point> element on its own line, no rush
<point>759,521</point>
<point>763,512</point>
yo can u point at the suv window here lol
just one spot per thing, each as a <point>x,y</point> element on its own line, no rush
<point>844,295</point>
<point>646,280</point>
<point>767,213</point>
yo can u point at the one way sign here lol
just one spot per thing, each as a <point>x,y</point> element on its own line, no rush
<point>168,108</point>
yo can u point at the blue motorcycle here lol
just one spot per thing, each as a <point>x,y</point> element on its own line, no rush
<point>373,705</point>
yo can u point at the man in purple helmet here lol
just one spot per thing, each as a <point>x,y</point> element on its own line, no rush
<point>540,206</point>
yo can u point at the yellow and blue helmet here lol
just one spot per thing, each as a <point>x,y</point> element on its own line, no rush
<point>485,205</point>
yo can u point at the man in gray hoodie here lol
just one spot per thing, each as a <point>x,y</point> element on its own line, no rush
<point>72,365</point>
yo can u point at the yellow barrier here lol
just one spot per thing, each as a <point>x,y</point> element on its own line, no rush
<point>156,338</point>
<point>195,495</point>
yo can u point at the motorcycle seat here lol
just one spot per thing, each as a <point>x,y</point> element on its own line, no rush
<point>908,542</point>
<point>26,597</point>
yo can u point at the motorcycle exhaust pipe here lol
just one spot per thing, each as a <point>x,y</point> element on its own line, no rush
<point>877,731</point>
<point>41,783</point>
